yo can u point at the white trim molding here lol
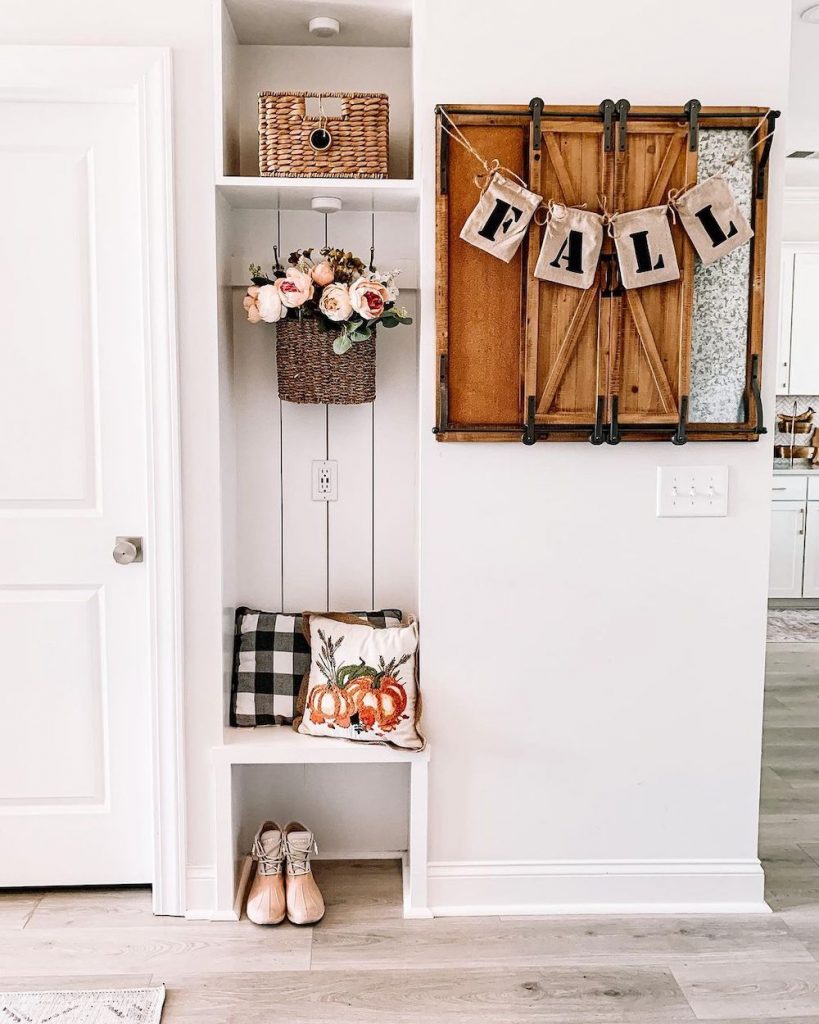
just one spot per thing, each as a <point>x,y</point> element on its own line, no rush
<point>141,76</point>
<point>802,193</point>
<point>517,888</point>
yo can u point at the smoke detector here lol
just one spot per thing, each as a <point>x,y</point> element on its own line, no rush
<point>324,28</point>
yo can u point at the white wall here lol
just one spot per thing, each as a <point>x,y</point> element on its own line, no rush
<point>593,675</point>
<point>184,25</point>
<point>802,130</point>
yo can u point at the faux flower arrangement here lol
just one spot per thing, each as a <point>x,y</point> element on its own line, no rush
<point>336,290</point>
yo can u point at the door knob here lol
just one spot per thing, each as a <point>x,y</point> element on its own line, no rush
<point>127,550</point>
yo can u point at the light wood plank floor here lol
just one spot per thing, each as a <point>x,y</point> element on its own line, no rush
<point>364,963</point>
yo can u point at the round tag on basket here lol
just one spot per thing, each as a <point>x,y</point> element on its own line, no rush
<point>320,139</point>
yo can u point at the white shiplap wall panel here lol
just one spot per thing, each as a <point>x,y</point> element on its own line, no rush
<point>258,458</point>
<point>395,482</point>
<point>350,551</point>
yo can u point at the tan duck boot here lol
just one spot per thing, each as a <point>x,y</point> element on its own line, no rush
<point>266,900</point>
<point>304,900</point>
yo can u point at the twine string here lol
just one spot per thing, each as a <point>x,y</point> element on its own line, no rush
<point>490,168</point>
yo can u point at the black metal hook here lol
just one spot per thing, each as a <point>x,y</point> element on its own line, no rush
<point>764,156</point>
<point>614,435</point>
<point>760,416</point>
<point>692,112</point>
<point>529,432</point>
<point>679,436</point>
<point>622,107</point>
<point>598,434</point>
<point>606,109</point>
<point>536,109</point>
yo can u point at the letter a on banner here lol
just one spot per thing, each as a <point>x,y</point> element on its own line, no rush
<point>712,219</point>
<point>571,246</point>
<point>645,248</point>
<point>499,221</point>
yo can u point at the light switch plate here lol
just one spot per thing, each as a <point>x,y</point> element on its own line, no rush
<point>692,490</point>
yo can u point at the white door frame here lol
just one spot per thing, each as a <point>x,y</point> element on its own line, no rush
<point>142,75</point>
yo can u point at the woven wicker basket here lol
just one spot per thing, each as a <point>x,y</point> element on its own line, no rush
<point>357,143</point>
<point>311,373</point>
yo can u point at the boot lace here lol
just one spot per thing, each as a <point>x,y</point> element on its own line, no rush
<point>269,860</point>
<point>297,859</point>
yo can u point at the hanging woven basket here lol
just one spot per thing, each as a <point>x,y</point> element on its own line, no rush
<point>311,373</point>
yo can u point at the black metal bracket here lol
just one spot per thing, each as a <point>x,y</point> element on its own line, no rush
<point>529,433</point>
<point>536,109</point>
<point>606,109</point>
<point>614,436</point>
<point>443,155</point>
<point>622,107</point>
<point>443,396</point>
<point>612,285</point>
<point>764,156</point>
<point>760,416</point>
<point>598,434</point>
<point>692,112</point>
<point>679,436</point>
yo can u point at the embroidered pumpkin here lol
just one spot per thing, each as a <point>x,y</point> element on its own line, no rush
<point>382,705</point>
<point>329,704</point>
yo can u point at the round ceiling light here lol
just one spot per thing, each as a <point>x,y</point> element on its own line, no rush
<point>325,204</point>
<point>811,15</point>
<point>324,27</point>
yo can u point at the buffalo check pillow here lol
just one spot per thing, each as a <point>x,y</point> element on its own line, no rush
<point>270,656</point>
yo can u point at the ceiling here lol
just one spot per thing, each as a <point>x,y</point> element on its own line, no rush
<point>284,22</point>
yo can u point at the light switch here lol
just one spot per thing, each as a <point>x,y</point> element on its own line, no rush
<point>692,490</point>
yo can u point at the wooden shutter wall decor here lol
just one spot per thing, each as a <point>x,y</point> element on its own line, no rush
<point>519,358</point>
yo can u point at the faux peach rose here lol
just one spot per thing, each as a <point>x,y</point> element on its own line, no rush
<point>322,273</point>
<point>368,298</point>
<point>250,302</point>
<point>270,305</point>
<point>335,302</point>
<point>295,289</point>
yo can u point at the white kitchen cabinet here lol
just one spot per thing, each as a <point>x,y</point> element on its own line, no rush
<point>810,575</point>
<point>787,548</point>
<point>797,371</point>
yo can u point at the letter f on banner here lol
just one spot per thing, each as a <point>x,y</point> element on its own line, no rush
<point>498,219</point>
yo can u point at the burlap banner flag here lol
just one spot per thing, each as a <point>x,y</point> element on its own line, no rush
<point>498,223</point>
<point>712,218</point>
<point>645,248</point>
<point>571,246</point>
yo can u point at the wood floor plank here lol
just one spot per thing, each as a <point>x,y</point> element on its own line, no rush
<point>754,990</point>
<point>70,983</point>
<point>527,942</point>
<point>194,947</point>
<point>16,908</point>
<point>369,890</point>
<point>465,996</point>
<point>99,908</point>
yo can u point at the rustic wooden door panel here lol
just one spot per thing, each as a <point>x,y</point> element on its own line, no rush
<point>655,338</point>
<point>575,358</point>
<point>566,373</point>
<point>485,295</point>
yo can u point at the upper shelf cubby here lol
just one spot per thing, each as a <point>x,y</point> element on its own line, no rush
<point>266,45</point>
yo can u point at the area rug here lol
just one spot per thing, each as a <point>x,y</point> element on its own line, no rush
<point>793,626</point>
<point>97,1006</point>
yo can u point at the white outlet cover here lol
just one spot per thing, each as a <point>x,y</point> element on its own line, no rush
<point>325,480</point>
<point>692,491</point>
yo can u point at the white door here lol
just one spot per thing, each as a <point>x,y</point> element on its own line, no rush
<point>810,585</point>
<point>804,349</point>
<point>75,740</point>
<point>787,549</point>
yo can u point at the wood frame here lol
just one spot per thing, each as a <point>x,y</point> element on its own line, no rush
<point>448,427</point>
<point>142,75</point>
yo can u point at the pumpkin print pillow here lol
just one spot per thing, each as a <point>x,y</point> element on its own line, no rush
<point>362,684</point>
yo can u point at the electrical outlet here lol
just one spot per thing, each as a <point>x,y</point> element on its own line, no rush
<point>325,480</point>
<point>692,491</point>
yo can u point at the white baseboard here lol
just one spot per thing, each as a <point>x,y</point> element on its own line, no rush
<point>492,888</point>
<point>200,892</point>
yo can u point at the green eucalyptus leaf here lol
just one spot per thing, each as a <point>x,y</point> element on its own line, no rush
<point>342,344</point>
<point>406,320</point>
